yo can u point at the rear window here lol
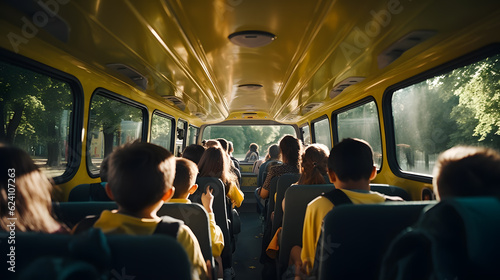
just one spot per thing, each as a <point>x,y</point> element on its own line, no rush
<point>460,107</point>
<point>242,136</point>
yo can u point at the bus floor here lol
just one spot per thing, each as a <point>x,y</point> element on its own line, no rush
<point>246,256</point>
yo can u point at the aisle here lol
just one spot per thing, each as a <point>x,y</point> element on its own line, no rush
<point>246,257</point>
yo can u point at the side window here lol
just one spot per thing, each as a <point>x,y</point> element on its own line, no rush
<point>306,134</point>
<point>361,122</point>
<point>112,122</point>
<point>193,132</point>
<point>459,107</point>
<point>180,142</point>
<point>161,130</point>
<point>321,132</point>
<point>36,113</point>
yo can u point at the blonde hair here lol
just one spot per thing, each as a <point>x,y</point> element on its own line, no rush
<point>32,193</point>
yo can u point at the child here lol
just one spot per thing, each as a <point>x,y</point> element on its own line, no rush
<point>25,195</point>
<point>185,184</point>
<point>350,169</point>
<point>140,181</point>
<point>467,171</point>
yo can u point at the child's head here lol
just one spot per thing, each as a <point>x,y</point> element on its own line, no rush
<point>185,178</point>
<point>352,160</point>
<point>290,150</point>
<point>467,171</point>
<point>273,151</point>
<point>140,175</point>
<point>224,144</point>
<point>314,164</point>
<point>23,183</point>
<point>193,152</point>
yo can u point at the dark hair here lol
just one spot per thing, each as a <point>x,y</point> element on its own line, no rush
<point>467,171</point>
<point>254,147</point>
<point>215,163</point>
<point>273,151</point>
<point>104,169</point>
<point>351,159</point>
<point>185,176</point>
<point>224,144</point>
<point>290,150</point>
<point>314,164</point>
<point>193,152</point>
<point>140,174</point>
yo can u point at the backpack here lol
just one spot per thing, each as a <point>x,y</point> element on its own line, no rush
<point>455,239</point>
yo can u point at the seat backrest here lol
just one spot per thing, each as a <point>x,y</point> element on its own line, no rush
<point>391,191</point>
<point>296,199</point>
<point>264,169</point>
<point>80,193</point>
<point>284,182</point>
<point>141,257</point>
<point>270,201</point>
<point>196,218</point>
<point>355,236</point>
<point>71,213</point>
<point>457,237</point>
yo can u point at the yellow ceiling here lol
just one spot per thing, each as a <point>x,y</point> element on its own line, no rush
<point>182,48</point>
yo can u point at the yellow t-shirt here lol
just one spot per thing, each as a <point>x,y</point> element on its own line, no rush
<point>216,236</point>
<point>111,222</point>
<point>316,212</point>
<point>236,195</point>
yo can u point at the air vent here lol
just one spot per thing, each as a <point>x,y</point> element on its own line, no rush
<point>407,42</point>
<point>200,115</point>
<point>176,101</point>
<point>309,107</point>
<point>340,87</point>
<point>131,73</point>
<point>249,115</point>
<point>250,87</point>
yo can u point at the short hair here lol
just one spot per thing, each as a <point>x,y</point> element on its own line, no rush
<point>224,144</point>
<point>185,176</point>
<point>467,171</point>
<point>254,147</point>
<point>193,152</point>
<point>212,143</point>
<point>230,147</point>
<point>104,169</point>
<point>274,151</point>
<point>140,174</point>
<point>351,159</point>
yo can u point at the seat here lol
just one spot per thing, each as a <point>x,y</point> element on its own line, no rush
<point>140,257</point>
<point>196,218</point>
<point>88,192</point>
<point>264,169</point>
<point>71,213</point>
<point>284,182</point>
<point>355,236</point>
<point>220,211</point>
<point>458,238</point>
<point>296,199</point>
<point>391,191</point>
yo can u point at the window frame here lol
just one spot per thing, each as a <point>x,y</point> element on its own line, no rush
<point>354,105</point>
<point>197,133</point>
<point>185,132</point>
<point>301,129</point>
<point>172,121</point>
<point>122,99</point>
<point>313,129</point>
<point>76,121</point>
<point>447,67</point>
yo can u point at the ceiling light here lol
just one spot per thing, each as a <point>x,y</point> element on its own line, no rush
<point>251,38</point>
<point>251,87</point>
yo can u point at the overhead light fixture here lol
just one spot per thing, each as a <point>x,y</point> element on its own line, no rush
<point>339,88</point>
<point>251,38</point>
<point>251,87</point>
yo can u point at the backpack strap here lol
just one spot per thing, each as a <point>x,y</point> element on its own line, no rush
<point>168,226</point>
<point>337,197</point>
<point>85,224</point>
